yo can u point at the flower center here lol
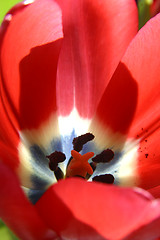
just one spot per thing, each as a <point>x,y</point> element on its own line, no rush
<point>78,165</point>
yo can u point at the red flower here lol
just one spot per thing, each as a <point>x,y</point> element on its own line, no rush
<point>63,74</point>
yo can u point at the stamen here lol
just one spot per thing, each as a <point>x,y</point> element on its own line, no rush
<point>104,157</point>
<point>79,165</point>
<point>59,173</point>
<point>55,158</point>
<point>106,178</point>
<point>78,142</point>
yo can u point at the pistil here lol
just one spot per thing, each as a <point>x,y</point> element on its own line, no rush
<point>79,141</point>
<point>106,178</point>
<point>54,159</point>
<point>78,165</point>
<point>104,157</point>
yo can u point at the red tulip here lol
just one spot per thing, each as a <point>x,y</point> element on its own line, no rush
<point>79,68</point>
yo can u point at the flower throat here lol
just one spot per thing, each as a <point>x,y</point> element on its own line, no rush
<point>78,165</point>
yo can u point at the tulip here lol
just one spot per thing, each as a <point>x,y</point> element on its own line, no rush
<point>77,80</point>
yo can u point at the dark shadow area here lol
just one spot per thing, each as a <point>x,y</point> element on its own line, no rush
<point>37,101</point>
<point>118,104</point>
<point>38,72</point>
<point>115,112</point>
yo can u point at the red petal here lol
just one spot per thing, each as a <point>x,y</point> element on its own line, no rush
<point>8,133</point>
<point>29,55</point>
<point>96,34</point>
<point>117,106</point>
<point>148,163</point>
<point>150,231</point>
<point>77,209</point>
<point>17,212</point>
<point>133,94</point>
<point>9,156</point>
<point>9,139</point>
<point>155,191</point>
<point>142,60</point>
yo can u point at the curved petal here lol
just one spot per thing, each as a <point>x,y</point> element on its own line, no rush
<point>30,47</point>
<point>132,107</point>
<point>76,209</point>
<point>148,163</point>
<point>9,155</point>
<point>9,139</point>
<point>8,132</point>
<point>155,191</point>
<point>142,60</point>
<point>133,97</point>
<point>118,103</point>
<point>17,212</point>
<point>151,231</point>
<point>96,34</point>
<point>30,43</point>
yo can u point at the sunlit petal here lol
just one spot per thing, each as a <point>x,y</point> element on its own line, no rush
<point>91,50</point>
<point>89,209</point>
<point>130,120</point>
<point>146,123</point>
<point>29,60</point>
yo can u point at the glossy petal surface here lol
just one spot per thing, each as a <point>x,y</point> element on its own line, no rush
<point>142,60</point>
<point>29,59</point>
<point>9,156</point>
<point>148,163</point>
<point>120,100</point>
<point>90,209</point>
<point>132,106</point>
<point>133,97</point>
<point>151,231</point>
<point>30,44</point>
<point>8,132</point>
<point>91,50</point>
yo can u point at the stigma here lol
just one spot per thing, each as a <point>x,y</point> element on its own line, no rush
<point>79,165</point>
